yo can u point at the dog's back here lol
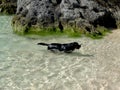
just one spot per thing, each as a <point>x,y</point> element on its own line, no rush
<point>67,47</point>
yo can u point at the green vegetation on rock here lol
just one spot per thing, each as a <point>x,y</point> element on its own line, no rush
<point>55,31</point>
<point>101,32</point>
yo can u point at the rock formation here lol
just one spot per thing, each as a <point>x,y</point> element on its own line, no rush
<point>85,14</point>
<point>8,6</point>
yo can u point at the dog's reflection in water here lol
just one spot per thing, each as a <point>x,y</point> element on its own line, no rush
<point>66,47</point>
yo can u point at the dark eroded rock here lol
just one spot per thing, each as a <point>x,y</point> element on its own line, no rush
<point>87,14</point>
<point>8,6</point>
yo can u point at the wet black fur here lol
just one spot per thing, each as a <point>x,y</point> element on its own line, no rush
<point>67,47</point>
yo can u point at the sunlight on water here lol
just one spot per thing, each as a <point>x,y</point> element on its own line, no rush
<point>26,66</point>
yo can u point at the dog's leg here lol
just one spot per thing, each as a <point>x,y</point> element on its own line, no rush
<point>70,51</point>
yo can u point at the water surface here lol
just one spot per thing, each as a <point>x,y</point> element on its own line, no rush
<point>26,66</point>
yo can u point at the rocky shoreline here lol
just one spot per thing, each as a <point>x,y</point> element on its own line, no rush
<point>81,16</point>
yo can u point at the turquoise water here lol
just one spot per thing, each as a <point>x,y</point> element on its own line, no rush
<point>27,66</point>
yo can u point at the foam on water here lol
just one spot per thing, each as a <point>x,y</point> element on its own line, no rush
<point>26,66</point>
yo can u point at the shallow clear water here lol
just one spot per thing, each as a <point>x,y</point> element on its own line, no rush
<point>27,66</point>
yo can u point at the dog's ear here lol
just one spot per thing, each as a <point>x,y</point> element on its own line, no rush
<point>76,43</point>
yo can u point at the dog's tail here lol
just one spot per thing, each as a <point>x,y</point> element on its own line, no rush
<point>44,44</point>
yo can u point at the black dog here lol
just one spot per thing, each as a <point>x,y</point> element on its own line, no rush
<point>67,47</point>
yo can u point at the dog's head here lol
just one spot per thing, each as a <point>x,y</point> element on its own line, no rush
<point>76,45</point>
